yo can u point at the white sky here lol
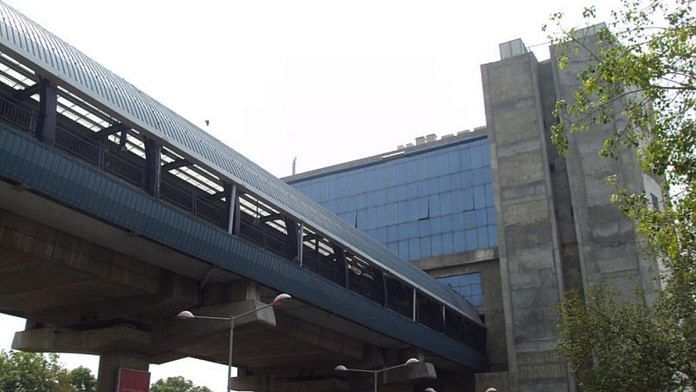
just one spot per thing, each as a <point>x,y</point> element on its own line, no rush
<point>324,81</point>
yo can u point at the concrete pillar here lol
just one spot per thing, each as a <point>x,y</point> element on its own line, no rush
<point>109,364</point>
<point>530,265</point>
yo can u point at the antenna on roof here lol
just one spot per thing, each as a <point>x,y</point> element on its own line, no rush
<point>294,164</point>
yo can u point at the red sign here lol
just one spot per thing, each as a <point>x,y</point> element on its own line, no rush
<point>130,380</point>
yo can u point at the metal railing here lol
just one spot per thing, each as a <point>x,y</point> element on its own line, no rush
<point>16,115</point>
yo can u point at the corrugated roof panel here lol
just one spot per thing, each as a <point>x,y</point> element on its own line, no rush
<point>127,101</point>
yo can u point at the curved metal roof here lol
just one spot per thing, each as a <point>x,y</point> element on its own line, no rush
<point>83,76</point>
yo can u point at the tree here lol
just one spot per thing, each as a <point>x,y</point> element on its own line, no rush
<point>32,372</point>
<point>83,380</point>
<point>176,384</point>
<point>641,71</point>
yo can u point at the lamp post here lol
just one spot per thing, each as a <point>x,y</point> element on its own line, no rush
<point>375,372</point>
<point>187,315</point>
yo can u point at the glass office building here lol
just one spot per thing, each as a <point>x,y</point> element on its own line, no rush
<point>433,199</point>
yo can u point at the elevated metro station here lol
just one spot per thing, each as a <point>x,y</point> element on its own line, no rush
<point>116,213</point>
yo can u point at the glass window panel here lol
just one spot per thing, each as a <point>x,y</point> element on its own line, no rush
<point>469,220</point>
<point>425,247</point>
<point>434,203</point>
<point>422,188</point>
<point>459,241</point>
<point>433,185</point>
<point>436,245</point>
<point>445,205</point>
<point>413,230</point>
<point>422,208</point>
<point>361,200</point>
<point>371,218</point>
<point>467,179</point>
<point>403,249</point>
<point>476,157</point>
<point>488,191</point>
<point>465,158</point>
<point>468,199</point>
<point>457,199</point>
<point>402,174</point>
<point>493,235</point>
<point>381,235</point>
<point>422,169</point>
<point>424,228</point>
<point>414,249</point>
<point>362,219</point>
<point>453,161</point>
<point>443,183</point>
<point>476,177</point>
<point>479,197</point>
<point>455,181</point>
<point>413,210</point>
<point>446,223</point>
<point>447,243</point>
<point>436,225</point>
<point>394,247</point>
<point>411,170</point>
<point>411,191</point>
<point>458,221</point>
<point>487,176</point>
<point>482,237</point>
<point>490,216</point>
<point>485,159</point>
<point>391,195</point>
<point>481,218</point>
<point>470,238</point>
<point>389,214</point>
<point>392,233</point>
<point>402,231</point>
<point>401,212</point>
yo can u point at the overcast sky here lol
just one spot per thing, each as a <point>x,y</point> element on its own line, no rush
<point>324,81</point>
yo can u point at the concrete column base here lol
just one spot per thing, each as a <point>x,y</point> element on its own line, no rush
<point>109,364</point>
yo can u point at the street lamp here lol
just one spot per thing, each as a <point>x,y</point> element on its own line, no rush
<point>375,372</point>
<point>187,315</point>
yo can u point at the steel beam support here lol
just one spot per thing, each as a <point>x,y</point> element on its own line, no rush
<point>21,95</point>
<point>110,130</point>
<point>300,244</point>
<point>232,206</point>
<point>48,105</point>
<point>153,167</point>
<point>175,164</point>
<point>293,239</point>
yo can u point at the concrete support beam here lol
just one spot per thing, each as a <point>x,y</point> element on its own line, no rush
<point>410,374</point>
<point>92,341</point>
<point>321,338</point>
<point>174,332</point>
<point>268,383</point>
<point>109,365</point>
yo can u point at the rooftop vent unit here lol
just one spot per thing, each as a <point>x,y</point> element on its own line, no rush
<point>512,48</point>
<point>420,140</point>
<point>430,138</point>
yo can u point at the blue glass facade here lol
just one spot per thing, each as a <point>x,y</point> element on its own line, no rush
<point>467,285</point>
<point>430,203</point>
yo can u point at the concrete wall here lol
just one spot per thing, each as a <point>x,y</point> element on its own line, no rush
<point>609,249</point>
<point>530,265</point>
